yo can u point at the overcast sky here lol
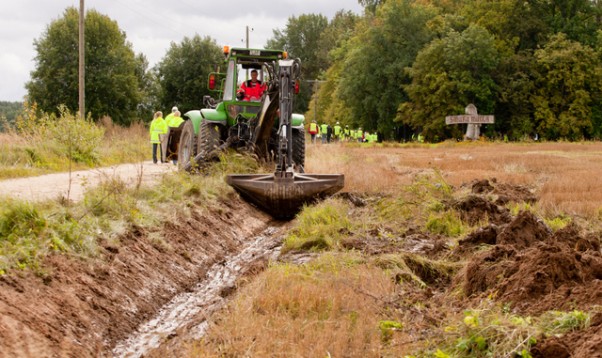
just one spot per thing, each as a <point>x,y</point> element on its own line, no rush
<point>150,26</point>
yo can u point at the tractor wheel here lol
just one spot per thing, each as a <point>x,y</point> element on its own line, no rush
<point>187,149</point>
<point>208,140</point>
<point>299,150</point>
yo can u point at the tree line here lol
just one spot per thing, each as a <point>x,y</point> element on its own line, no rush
<point>536,65</point>
<point>397,69</point>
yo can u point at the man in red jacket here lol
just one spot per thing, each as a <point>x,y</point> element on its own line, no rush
<point>252,89</point>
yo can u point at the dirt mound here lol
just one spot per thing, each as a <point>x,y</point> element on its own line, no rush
<point>486,203</point>
<point>505,192</point>
<point>82,308</point>
<point>583,343</point>
<point>474,209</point>
<point>534,269</point>
<point>481,186</point>
<point>523,231</point>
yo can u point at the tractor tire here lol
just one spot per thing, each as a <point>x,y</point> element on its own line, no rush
<point>299,150</point>
<point>187,147</point>
<point>209,140</point>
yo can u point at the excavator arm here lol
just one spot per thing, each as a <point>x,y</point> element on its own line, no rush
<point>283,193</point>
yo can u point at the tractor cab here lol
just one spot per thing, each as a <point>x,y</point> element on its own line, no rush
<point>240,63</point>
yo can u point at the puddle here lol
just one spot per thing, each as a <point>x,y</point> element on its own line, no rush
<point>188,312</point>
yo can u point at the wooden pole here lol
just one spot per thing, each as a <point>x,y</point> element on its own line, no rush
<point>82,83</point>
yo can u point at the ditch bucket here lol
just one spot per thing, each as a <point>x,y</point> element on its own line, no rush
<point>283,194</point>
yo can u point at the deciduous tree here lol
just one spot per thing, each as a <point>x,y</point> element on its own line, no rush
<point>183,72</point>
<point>112,70</point>
<point>301,39</point>
<point>447,75</point>
<point>569,80</point>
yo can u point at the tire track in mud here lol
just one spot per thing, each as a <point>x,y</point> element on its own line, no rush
<point>186,315</point>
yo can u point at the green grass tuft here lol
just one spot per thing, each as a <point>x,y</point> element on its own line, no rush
<point>319,227</point>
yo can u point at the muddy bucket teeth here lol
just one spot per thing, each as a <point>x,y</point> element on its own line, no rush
<point>282,195</point>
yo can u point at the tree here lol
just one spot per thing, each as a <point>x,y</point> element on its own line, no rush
<point>515,78</point>
<point>112,86</point>
<point>371,5</point>
<point>324,105</point>
<point>569,80</point>
<point>8,113</point>
<point>301,39</point>
<point>184,70</point>
<point>447,75</point>
<point>372,79</point>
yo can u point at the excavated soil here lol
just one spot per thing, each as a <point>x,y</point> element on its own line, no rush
<point>523,263</point>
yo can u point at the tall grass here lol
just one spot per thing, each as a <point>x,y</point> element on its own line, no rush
<point>332,307</point>
<point>45,144</point>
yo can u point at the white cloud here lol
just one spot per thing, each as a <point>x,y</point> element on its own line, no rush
<point>150,25</point>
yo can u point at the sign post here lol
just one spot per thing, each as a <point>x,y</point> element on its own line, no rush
<point>473,119</point>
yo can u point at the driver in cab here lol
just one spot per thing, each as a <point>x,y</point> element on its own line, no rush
<point>251,90</point>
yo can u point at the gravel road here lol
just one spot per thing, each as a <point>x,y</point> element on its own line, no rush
<point>53,186</point>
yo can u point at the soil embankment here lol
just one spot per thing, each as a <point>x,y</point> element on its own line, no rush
<point>80,308</point>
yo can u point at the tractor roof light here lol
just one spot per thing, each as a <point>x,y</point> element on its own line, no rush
<point>284,55</point>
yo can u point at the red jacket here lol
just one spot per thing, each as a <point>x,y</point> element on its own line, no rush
<point>253,90</point>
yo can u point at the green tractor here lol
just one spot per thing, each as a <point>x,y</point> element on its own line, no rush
<point>264,126</point>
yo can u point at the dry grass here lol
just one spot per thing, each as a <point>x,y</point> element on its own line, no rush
<point>565,176</point>
<point>124,144</point>
<point>327,308</point>
<point>32,154</point>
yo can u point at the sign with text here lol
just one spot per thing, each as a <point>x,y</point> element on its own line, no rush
<point>468,118</point>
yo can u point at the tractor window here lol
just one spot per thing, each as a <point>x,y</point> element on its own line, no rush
<point>230,82</point>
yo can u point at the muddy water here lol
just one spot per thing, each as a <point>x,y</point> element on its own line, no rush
<point>187,313</point>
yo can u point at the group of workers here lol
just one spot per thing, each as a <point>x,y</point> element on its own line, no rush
<point>337,133</point>
<point>159,129</point>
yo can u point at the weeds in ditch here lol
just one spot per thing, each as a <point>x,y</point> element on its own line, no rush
<point>28,232</point>
<point>319,227</point>
<point>326,309</point>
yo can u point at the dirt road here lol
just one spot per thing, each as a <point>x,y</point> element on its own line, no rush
<point>57,185</point>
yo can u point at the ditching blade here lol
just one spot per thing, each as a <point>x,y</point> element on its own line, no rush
<point>284,196</point>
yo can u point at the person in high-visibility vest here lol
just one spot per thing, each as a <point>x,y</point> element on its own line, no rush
<point>158,127</point>
<point>173,120</point>
<point>313,130</point>
<point>337,132</point>
<point>347,132</point>
<point>324,131</point>
<point>168,117</point>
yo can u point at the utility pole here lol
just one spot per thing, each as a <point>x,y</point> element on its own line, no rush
<point>316,87</point>
<point>82,83</point>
